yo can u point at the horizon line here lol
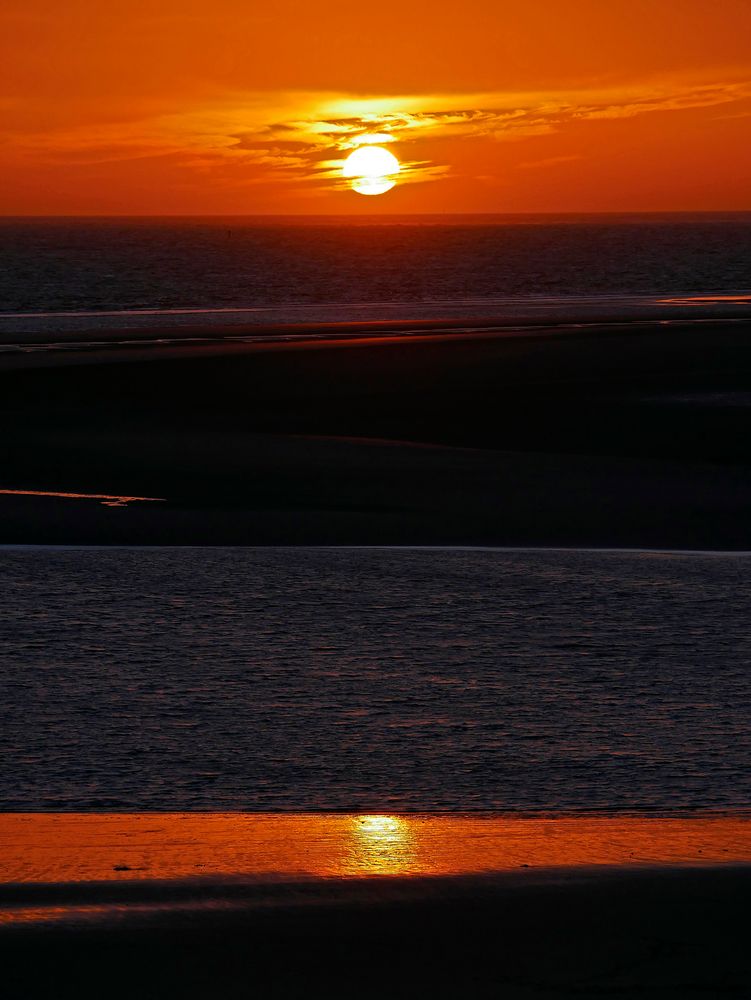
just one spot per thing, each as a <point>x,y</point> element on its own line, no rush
<point>358,216</point>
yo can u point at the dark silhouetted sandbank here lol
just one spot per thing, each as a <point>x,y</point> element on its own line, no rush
<point>623,434</point>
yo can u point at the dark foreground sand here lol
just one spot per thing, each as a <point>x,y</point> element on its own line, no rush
<point>661,933</point>
<point>627,435</point>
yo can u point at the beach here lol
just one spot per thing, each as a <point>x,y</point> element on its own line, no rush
<point>375,495</point>
<point>622,434</point>
<point>662,934</point>
<point>291,905</point>
<point>600,695</point>
<point>444,609</point>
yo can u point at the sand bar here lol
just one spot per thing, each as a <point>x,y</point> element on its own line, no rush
<point>631,435</point>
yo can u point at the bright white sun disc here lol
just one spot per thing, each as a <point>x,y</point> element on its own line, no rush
<point>371,170</point>
<point>371,185</point>
<point>370,161</point>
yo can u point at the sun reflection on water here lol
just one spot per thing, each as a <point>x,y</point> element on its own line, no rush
<point>380,845</point>
<point>95,847</point>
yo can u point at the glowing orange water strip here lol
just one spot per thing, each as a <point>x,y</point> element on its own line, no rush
<point>49,847</point>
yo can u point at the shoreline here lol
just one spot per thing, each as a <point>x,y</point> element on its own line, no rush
<point>175,343</point>
<point>375,922</point>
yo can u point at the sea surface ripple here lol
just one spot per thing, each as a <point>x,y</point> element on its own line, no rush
<point>374,679</point>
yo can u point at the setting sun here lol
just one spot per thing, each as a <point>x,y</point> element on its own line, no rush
<point>371,170</point>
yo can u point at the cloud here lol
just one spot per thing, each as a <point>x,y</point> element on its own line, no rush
<point>303,137</point>
<point>340,124</point>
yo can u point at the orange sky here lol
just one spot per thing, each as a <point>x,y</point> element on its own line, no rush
<point>186,106</point>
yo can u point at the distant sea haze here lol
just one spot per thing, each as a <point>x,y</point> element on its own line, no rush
<point>52,265</point>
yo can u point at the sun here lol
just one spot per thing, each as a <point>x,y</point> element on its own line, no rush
<point>371,170</point>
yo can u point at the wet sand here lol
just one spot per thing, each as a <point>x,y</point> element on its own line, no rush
<point>449,906</point>
<point>621,434</point>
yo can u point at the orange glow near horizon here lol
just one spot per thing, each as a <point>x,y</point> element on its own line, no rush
<point>227,108</point>
<point>47,847</point>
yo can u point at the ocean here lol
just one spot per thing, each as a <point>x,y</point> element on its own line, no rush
<point>419,680</point>
<point>294,270</point>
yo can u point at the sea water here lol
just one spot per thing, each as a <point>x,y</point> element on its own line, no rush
<point>294,267</point>
<point>375,679</point>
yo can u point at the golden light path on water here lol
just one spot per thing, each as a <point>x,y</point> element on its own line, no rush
<point>380,845</point>
<point>49,847</point>
<point>80,856</point>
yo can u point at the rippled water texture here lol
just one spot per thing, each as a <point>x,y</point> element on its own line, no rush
<point>98,847</point>
<point>63,264</point>
<point>374,680</point>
